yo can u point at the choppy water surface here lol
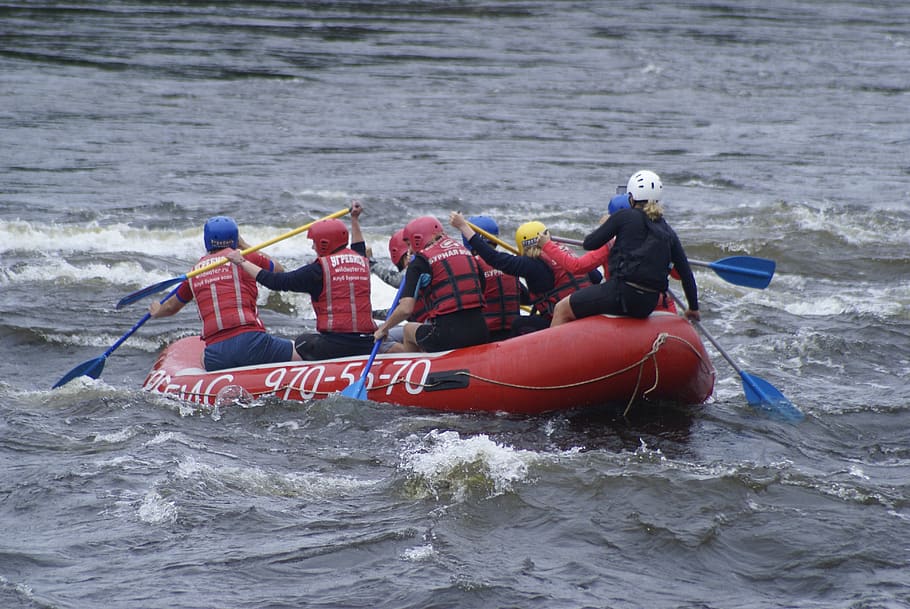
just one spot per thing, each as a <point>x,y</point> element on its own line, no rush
<point>780,130</point>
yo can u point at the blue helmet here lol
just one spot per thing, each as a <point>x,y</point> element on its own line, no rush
<point>618,202</point>
<point>486,223</point>
<point>220,232</point>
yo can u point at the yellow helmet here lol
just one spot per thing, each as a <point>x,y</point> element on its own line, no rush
<point>527,233</point>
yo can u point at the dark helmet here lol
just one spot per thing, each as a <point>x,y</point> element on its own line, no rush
<point>421,231</point>
<point>328,236</point>
<point>220,232</point>
<point>485,223</point>
<point>398,248</point>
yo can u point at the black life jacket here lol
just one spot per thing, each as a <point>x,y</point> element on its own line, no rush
<point>648,263</point>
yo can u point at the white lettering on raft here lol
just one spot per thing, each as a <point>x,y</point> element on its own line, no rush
<point>285,381</point>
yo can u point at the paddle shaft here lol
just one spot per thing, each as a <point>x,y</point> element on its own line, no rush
<point>494,238</point>
<point>162,285</point>
<point>708,336</point>
<point>747,271</point>
<point>500,242</point>
<point>579,242</point>
<point>759,392</point>
<point>265,244</point>
<point>94,367</point>
<point>567,240</point>
<point>138,324</point>
<point>357,389</point>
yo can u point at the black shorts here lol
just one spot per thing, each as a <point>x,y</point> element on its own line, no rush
<point>317,346</point>
<point>614,297</point>
<point>526,324</point>
<point>459,329</point>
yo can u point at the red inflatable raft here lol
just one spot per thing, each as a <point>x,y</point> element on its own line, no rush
<point>593,361</point>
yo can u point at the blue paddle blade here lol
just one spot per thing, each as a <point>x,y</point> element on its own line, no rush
<point>148,291</point>
<point>92,368</point>
<point>747,271</point>
<point>762,394</point>
<point>356,390</point>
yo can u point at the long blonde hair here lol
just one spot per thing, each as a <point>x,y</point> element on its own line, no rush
<point>653,210</point>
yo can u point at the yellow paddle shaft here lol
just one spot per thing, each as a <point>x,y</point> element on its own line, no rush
<point>264,244</point>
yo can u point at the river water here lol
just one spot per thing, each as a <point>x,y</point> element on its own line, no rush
<point>780,130</point>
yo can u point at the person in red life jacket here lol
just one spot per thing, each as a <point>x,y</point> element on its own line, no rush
<point>226,300</point>
<point>547,282</point>
<point>453,296</point>
<point>595,258</point>
<point>503,293</point>
<point>338,283</point>
<point>639,260</point>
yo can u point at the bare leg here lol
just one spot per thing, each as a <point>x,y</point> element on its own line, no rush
<point>410,337</point>
<point>396,348</point>
<point>562,313</point>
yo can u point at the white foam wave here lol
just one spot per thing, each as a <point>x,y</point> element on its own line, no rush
<point>854,228</point>
<point>19,235</point>
<point>255,481</point>
<point>889,301</point>
<point>58,248</point>
<point>419,554</point>
<point>808,297</point>
<point>101,341</point>
<point>155,509</point>
<point>171,242</point>
<point>61,271</point>
<point>165,437</point>
<point>117,436</point>
<point>445,461</point>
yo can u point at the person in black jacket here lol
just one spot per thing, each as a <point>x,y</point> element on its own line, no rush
<point>639,261</point>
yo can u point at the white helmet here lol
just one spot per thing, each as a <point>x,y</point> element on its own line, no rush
<point>645,186</point>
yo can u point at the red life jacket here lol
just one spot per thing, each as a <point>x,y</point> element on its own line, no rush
<point>454,281</point>
<point>344,304</point>
<point>502,297</point>
<point>564,283</point>
<point>226,300</point>
<point>420,313</point>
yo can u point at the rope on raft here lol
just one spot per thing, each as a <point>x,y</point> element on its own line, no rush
<point>640,364</point>
<point>659,341</point>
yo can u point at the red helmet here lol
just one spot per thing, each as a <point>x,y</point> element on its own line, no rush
<point>328,236</point>
<point>420,231</point>
<point>397,248</point>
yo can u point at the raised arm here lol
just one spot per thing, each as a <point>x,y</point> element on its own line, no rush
<point>248,267</point>
<point>577,265</point>
<point>356,233</point>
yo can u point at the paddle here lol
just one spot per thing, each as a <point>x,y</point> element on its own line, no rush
<point>494,238</point>
<point>759,393</point>
<point>94,367</point>
<point>747,271</point>
<point>497,240</point>
<point>162,285</point>
<point>357,389</point>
